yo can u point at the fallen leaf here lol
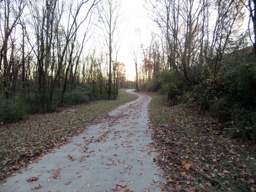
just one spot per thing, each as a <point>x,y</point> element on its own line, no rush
<point>121,188</point>
<point>102,137</point>
<point>83,158</point>
<point>186,164</point>
<point>38,187</point>
<point>71,158</point>
<point>32,179</point>
<point>56,173</point>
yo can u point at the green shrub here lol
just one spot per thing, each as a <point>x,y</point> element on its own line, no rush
<point>244,122</point>
<point>172,85</point>
<point>206,93</point>
<point>35,105</point>
<point>153,85</point>
<point>240,82</point>
<point>186,97</point>
<point>203,96</point>
<point>220,109</point>
<point>75,97</point>
<point>236,102</point>
<point>12,110</point>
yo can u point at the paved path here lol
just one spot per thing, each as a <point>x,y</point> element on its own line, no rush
<point>114,154</point>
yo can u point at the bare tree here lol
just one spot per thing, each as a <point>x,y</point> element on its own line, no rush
<point>252,10</point>
<point>108,11</point>
<point>227,14</point>
<point>135,59</point>
<point>55,43</point>
<point>166,14</point>
<point>11,12</point>
<point>190,41</point>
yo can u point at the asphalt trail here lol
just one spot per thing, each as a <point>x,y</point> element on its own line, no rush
<point>114,154</point>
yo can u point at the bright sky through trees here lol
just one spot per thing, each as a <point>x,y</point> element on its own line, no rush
<point>136,29</point>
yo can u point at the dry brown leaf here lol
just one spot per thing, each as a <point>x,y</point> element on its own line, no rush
<point>121,188</point>
<point>83,158</point>
<point>56,173</point>
<point>32,179</point>
<point>71,158</point>
<point>102,137</point>
<point>186,164</point>
<point>38,187</point>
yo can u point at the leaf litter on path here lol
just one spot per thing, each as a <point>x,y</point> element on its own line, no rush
<point>121,188</point>
<point>56,173</point>
<point>32,179</point>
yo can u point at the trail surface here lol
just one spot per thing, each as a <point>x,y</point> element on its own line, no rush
<point>114,154</point>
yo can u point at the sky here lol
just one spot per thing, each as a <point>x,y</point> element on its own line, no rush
<point>134,29</point>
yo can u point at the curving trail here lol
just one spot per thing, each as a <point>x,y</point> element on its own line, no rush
<point>114,154</point>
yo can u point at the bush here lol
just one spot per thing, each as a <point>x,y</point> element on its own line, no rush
<point>203,96</point>
<point>208,92</point>
<point>12,110</point>
<point>153,85</point>
<point>172,85</point>
<point>75,97</point>
<point>244,122</point>
<point>35,104</point>
<point>220,109</point>
<point>241,84</point>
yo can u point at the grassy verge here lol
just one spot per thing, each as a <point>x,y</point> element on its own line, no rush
<point>195,155</point>
<point>24,141</point>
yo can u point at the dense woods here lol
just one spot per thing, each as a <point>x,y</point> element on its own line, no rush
<point>43,63</point>
<point>203,54</point>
